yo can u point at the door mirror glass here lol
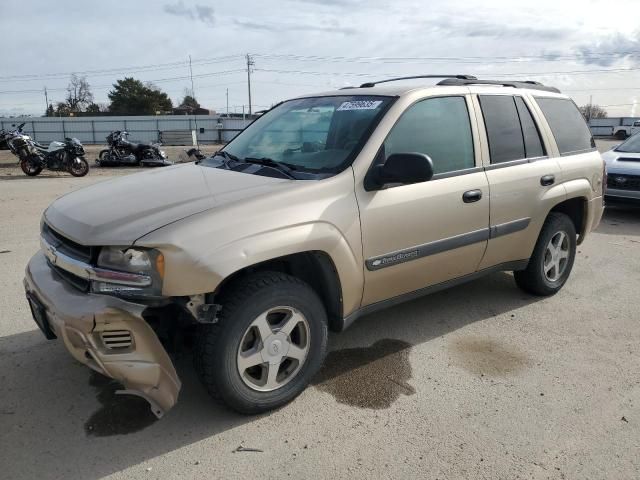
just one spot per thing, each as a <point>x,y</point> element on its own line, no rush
<point>404,168</point>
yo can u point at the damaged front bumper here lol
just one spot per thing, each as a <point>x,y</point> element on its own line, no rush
<point>106,333</point>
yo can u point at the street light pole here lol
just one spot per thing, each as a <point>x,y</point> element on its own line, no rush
<point>250,63</point>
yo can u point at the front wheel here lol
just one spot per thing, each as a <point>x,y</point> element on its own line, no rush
<point>552,259</point>
<point>79,167</point>
<point>271,338</point>
<point>29,168</point>
<point>621,135</point>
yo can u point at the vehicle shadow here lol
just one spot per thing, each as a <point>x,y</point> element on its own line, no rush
<point>59,420</point>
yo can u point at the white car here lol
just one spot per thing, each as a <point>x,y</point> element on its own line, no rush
<point>623,170</point>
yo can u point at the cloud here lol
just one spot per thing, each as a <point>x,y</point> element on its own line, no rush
<point>608,51</point>
<point>488,29</point>
<point>331,27</point>
<point>203,13</point>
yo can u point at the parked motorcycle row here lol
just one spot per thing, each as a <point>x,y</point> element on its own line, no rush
<point>67,156</point>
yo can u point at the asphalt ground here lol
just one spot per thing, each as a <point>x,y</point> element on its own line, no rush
<point>480,381</point>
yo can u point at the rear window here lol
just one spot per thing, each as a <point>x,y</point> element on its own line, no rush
<point>567,124</point>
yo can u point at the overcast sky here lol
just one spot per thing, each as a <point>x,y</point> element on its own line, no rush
<point>312,45</point>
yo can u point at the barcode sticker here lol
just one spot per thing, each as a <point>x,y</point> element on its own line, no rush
<point>359,105</point>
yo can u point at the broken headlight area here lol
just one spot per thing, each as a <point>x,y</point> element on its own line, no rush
<point>129,272</point>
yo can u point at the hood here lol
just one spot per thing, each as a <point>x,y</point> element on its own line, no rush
<point>622,162</point>
<point>119,211</point>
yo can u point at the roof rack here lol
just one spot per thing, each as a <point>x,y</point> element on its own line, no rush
<point>451,77</point>
<point>519,84</point>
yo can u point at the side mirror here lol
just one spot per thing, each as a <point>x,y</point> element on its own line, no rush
<point>403,168</point>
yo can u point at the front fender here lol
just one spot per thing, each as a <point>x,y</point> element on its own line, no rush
<point>204,272</point>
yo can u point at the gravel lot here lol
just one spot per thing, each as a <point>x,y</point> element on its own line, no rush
<point>481,381</point>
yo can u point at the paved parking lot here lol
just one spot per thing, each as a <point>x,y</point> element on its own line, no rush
<point>481,381</point>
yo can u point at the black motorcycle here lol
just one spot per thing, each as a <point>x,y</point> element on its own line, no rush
<point>122,152</point>
<point>67,156</point>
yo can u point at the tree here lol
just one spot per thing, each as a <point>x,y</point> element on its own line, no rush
<point>50,112</point>
<point>79,94</point>
<point>93,108</point>
<point>131,97</point>
<point>189,100</point>
<point>590,111</point>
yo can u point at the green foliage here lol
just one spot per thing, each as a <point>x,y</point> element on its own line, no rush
<point>131,97</point>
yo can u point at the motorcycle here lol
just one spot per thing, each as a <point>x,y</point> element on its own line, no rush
<point>67,156</point>
<point>122,152</point>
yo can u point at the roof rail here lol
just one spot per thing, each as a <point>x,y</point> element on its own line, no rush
<point>457,77</point>
<point>517,84</point>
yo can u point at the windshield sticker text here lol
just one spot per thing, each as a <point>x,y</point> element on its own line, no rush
<point>359,105</point>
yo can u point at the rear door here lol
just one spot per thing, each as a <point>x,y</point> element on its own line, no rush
<point>521,176</point>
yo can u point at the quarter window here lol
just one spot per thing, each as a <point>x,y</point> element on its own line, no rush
<point>532,143</point>
<point>567,124</point>
<point>511,130</point>
<point>438,127</point>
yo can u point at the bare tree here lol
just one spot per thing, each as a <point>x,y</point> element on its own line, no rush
<point>79,95</point>
<point>590,111</point>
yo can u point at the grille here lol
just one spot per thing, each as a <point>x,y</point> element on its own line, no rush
<point>81,284</point>
<point>66,246</point>
<point>116,339</point>
<point>623,182</point>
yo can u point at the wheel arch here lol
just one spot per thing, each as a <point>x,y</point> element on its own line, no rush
<point>314,267</point>
<point>576,208</point>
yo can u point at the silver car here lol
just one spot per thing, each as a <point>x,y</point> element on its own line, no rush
<point>623,169</point>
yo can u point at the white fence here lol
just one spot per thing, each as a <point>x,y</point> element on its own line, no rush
<point>88,130</point>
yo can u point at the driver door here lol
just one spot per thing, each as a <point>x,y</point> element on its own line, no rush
<point>423,234</point>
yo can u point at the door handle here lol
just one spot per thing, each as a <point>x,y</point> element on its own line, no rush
<point>471,196</point>
<point>547,180</point>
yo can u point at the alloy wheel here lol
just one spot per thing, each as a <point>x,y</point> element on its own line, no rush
<point>556,256</point>
<point>273,349</point>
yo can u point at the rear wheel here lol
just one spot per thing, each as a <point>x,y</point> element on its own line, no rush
<point>270,340</point>
<point>78,167</point>
<point>30,168</point>
<point>552,259</point>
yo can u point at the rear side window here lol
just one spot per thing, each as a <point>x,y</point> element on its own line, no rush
<point>532,143</point>
<point>567,124</point>
<point>511,131</point>
<point>438,127</point>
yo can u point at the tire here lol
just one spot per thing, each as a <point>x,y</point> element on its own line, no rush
<point>28,169</point>
<point>219,347</point>
<point>536,278</point>
<point>78,167</point>
<point>621,135</point>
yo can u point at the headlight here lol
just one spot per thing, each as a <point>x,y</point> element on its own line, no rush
<point>127,271</point>
<point>164,155</point>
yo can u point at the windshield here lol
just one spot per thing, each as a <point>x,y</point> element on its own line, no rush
<point>632,145</point>
<point>320,134</point>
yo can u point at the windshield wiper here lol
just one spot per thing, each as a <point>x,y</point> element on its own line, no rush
<point>269,162</point>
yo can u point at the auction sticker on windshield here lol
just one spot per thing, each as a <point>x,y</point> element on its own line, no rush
<point>359,105</point>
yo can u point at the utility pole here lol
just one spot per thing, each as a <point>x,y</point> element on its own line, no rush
<point>227,102</point>
<point>250,63</point>
<point>46,101</point>
<point>193,95</point>
<point>590,108</point>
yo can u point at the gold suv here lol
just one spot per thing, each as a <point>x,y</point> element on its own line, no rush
<point>326,208</point>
